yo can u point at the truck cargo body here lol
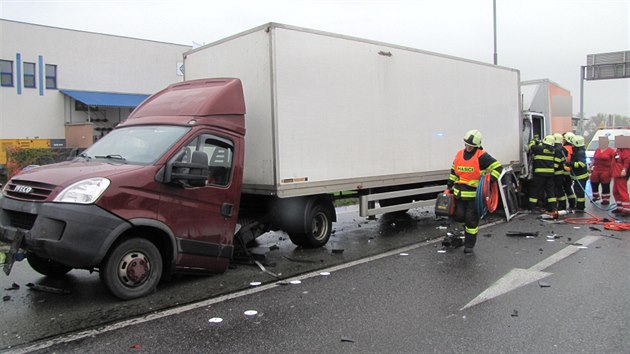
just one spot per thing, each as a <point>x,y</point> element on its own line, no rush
<point>552,101</point>
<point>328,113</point>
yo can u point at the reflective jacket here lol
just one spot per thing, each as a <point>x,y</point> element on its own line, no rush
<point>544,159</point>
<point>578,166</point>
<point>467,169</point>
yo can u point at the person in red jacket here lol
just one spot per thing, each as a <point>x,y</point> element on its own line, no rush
<point>620,165</point>
<point>600,170</point>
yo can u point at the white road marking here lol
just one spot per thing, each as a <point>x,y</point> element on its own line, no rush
<point>516,278</point>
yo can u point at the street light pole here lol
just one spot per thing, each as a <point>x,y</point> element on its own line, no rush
<point>494,17</point>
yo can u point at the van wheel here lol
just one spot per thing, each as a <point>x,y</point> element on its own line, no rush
<point>46,266</point>
<point>320,225</point>
<point>132,269</point>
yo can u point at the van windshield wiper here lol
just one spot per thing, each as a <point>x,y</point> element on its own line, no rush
<point>112,156</point>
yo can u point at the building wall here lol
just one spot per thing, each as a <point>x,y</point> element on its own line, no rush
<point>85,61</point>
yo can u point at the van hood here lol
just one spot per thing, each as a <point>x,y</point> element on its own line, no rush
<point>66,173</point>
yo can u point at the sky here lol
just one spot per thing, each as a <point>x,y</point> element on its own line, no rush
<point>543,39</point>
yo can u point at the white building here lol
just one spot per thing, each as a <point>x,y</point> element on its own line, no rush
<point>74,86</point>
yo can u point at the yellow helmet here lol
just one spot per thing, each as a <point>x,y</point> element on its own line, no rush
<point>473,138</point>
<point>578,141</point>
<point>549,140</point>
<point>568,136</point>
<point>558,138</point>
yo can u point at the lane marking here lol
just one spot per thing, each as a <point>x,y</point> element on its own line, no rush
<point>67,338</point>
<point>517,277</point>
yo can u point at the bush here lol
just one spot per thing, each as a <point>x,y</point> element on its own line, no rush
<point>18,158</point>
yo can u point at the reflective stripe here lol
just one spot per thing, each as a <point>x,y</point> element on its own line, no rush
<point>471,230</point>
<point>544,170</point>
<point>544,157</point>
<point>533,200</point>
<point>582,176</point>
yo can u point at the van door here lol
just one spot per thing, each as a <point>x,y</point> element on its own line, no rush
<point>203,218</point>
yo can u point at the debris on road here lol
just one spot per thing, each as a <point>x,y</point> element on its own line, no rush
<point>347,340</point>
<point>48,289</point>
<point>13,286</point>
<point>215,320</point>
<point>265,270</point>
<point>251,313</point>
<point>543,284</point>
<point>6,298</point>
<point>255,283</point>
<point>522,233</point>
<point>514,313</point>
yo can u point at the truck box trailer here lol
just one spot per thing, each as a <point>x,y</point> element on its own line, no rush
<point>328,113</point>
<point>190,178</point>
<point>549,105</point>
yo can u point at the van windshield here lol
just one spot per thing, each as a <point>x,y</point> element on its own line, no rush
<point>136,144</point>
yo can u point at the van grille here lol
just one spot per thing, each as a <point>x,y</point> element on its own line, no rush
<point>26,190</point>
<point>21,220</point>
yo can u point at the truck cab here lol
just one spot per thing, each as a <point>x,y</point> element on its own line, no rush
<point>159,194</point>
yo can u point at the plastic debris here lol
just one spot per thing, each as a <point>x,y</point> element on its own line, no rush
<point>48,289</point>
<point>265,270</point>
<point>346,339</point>
<point>522,233</point>
<point>543,284</point>
<point>324,273</point>
<point>13,286</point>
<point>404,254</point>
<point>441,251</point>
<point>255,283</point>
<point>551,240</point>
<point>251,313</point>
<point>215,320</point>
<point>295,282</point>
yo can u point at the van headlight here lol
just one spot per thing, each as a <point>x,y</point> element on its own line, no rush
<point>86,191</point>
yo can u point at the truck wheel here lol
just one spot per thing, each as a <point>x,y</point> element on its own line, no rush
<point>320,222</point>
<point>46,266</point>
<point>132,269</point>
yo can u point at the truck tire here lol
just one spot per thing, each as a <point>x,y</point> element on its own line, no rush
<point>46,266</point>
<point>132,269</point>
<point>320,224</point>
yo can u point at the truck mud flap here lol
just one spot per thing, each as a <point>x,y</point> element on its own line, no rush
<point>13,251</point>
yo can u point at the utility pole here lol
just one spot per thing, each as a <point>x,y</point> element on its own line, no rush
<point>494,17</point>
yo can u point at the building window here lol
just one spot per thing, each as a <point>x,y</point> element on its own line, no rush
<point>29,75</point>
<point>51,76</point>
<point>6,73</point>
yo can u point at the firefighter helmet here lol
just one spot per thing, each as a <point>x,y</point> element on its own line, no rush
<point>549,140</point>
<point>558,138</point>
<point>578,141</point>
<point>473,138</point>
<point>568,136</point>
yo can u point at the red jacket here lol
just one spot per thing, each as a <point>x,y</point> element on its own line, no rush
<point>620,162</point>
<point>602,159</point>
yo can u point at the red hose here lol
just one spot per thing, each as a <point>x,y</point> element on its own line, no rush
<point>594,220</point>
<point>490,193</point>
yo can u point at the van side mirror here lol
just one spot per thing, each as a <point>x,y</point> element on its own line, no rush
<point>194,173</point>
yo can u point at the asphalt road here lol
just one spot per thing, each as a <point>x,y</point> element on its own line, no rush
<point>559,294</point>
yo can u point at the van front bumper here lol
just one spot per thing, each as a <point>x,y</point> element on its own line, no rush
<point>72,234</point>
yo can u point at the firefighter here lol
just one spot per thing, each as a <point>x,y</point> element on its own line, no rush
<point>466,170</point>
<point>568,181</point>
<point>558,173</point>
<point>579,172</point>
<point>543,183</point>
<point>600,170</point>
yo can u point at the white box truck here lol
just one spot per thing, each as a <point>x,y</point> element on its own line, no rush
<point>329,113</point>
